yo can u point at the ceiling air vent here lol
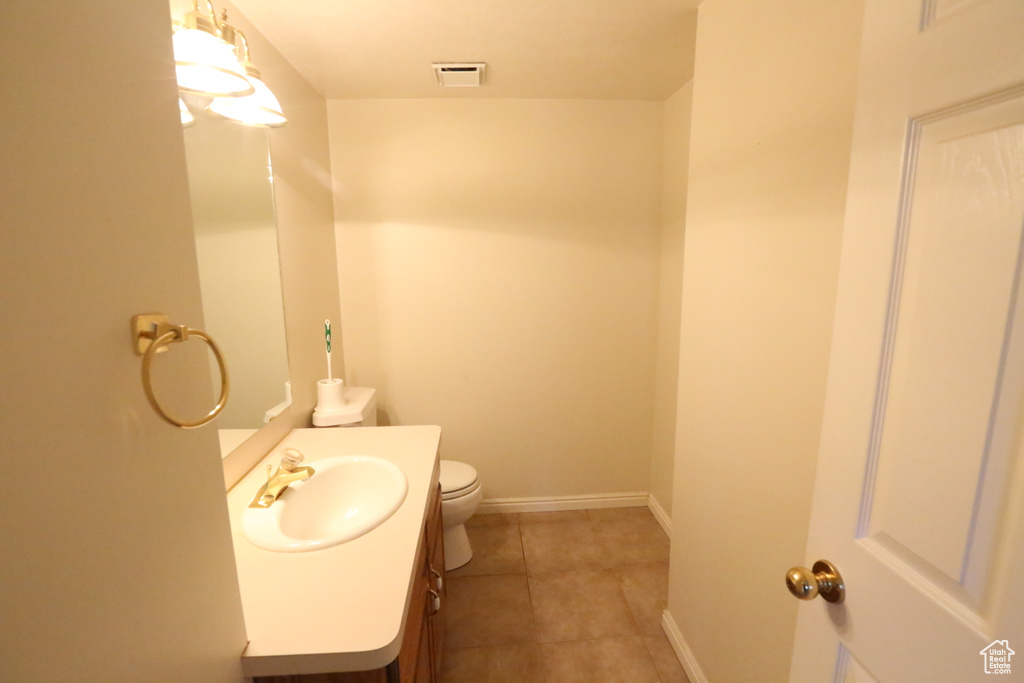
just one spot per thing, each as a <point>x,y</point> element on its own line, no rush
<point>464,74</point>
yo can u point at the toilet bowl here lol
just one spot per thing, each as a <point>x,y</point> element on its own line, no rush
<point>461,493</point>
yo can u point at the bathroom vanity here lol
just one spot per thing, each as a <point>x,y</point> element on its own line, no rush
<point>368,610</point>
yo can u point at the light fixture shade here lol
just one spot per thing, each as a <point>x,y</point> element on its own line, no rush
<point>259,109</point>
<point>206,65</point>
<point>187,119</point>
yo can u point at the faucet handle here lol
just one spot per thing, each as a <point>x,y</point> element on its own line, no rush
<point>290,458</point>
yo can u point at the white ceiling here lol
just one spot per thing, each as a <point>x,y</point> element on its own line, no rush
<point>584,49</point>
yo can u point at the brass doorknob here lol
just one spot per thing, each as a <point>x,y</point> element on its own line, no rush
<point>823,579</point>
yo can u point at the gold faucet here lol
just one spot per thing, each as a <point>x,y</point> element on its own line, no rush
<point>287,473</point>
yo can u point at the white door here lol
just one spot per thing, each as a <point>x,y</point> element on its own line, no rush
<point>919,500</point>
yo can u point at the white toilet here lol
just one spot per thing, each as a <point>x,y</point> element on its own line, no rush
<point>460,495</point>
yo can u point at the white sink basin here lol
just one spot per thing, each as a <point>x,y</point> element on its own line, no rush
<point>346,497</point>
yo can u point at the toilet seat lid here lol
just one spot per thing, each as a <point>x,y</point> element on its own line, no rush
<point>457,478</point>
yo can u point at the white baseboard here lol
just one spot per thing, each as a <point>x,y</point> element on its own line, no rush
<point>605,500</point>
<point>659,514</point>
<point>682,650</point>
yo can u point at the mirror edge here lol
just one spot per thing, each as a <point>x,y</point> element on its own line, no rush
<point>250,452</point>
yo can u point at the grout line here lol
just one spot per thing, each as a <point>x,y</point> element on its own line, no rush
<point>629,607</point>
<point>650,656</point>
<point>529,593</point>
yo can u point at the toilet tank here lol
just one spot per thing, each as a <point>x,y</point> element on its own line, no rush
<point>365,399</point>
<point>359,410</point>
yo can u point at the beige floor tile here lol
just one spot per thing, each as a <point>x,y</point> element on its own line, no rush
<point>496,664</point>
<point>556,516</point>
<point>492,519</point>
<point>588,609</point>
<point>665,659</point>
<point>632,539</point>
<point>609,660</point>
<point>488,610</point>
<point>496,550</point>
<point>579,604</point>
<point>562,546</point>
<point>646,589</point>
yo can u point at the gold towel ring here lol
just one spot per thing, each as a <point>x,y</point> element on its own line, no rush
<point>152,334</point>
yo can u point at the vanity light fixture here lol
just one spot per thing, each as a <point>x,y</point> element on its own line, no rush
<point>206,64</point>
<point>259,109</point>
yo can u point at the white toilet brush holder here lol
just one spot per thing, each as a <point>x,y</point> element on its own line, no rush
<point>330,403</point>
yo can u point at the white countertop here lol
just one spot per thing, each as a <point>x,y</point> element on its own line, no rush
<point>340,608</point>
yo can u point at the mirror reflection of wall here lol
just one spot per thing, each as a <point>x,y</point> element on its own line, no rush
<point>231,183</point>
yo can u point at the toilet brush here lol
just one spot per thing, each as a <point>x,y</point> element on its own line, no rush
<point>330,392</point>
<point>327,338</point>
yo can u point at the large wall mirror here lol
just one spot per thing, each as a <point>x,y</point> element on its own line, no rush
<point>231,184</point>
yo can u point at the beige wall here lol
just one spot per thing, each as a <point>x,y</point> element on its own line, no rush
<point>675,166</point>
<point>772,117</point>
<point>116,550</point>
<point>499,276</point>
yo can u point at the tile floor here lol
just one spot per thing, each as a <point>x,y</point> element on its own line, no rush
<point>561,597</point>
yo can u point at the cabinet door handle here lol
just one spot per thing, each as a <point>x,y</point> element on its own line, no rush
<point>435,601</point>
<point>438,579</point>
